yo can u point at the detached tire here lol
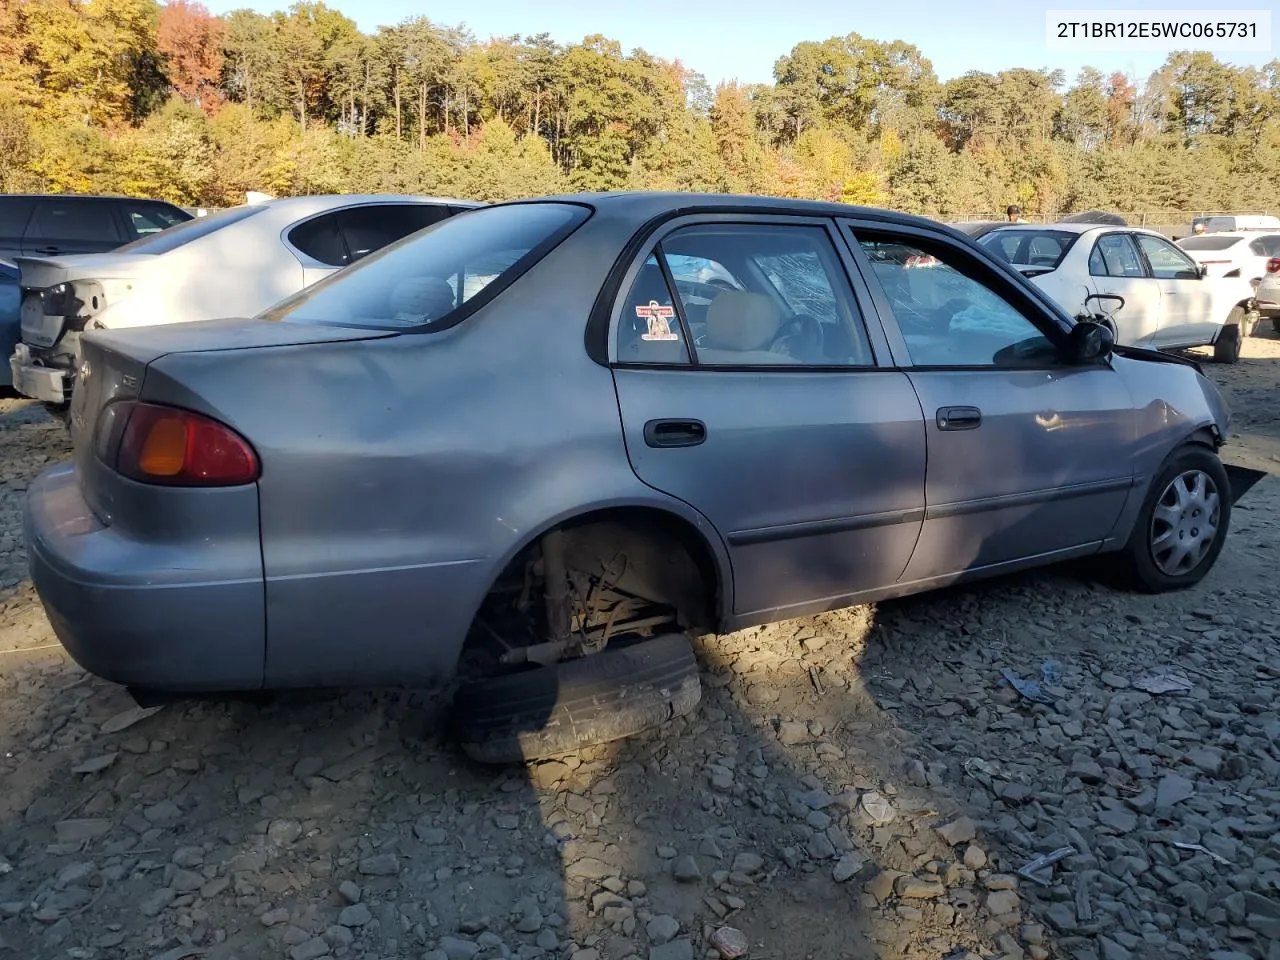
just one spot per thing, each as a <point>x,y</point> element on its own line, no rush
<point>552,711</point>
<point>1183,523</point>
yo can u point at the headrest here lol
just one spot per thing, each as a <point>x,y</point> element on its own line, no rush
<point>425,297</point>
<point>738,320</point>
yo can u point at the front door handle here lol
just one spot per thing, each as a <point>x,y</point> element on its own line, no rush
<point>674,433</point>
<point>959,418</point>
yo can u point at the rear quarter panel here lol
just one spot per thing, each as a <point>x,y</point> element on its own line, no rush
<point>400,475</point>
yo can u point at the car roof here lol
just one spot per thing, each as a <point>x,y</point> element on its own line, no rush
<point>645,205</point>
<point>1238,234</point>
<point>84,196</point>
<point>318,203</point>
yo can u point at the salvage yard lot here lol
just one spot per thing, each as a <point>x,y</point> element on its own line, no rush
<point>865,783</point>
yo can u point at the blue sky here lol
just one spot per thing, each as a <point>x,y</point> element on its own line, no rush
<point>727,39</point>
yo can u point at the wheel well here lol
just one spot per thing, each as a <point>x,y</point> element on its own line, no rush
<point>655,557</point>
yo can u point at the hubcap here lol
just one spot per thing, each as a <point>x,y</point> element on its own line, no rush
<point>1185,523</point>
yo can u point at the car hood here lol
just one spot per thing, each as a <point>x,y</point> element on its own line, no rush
<point>39,273</point>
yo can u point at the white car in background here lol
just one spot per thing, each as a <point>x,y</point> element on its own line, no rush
<point>1268,293</point>
<point>1169,302</point>
<point>1239,253</point>
<point>233,263</point>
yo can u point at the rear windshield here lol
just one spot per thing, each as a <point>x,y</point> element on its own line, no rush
<point>429,276</point>
<point>1030,248</point>
<point>1208,243</point>
<point>183,233</point>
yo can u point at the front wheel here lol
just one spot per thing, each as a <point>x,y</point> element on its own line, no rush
<point>1226,349</point>
<point>1183,523</point>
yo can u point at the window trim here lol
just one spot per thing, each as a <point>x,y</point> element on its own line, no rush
<point>1032,303</point>
<point>1142,260</point>
<point>1151,270</point>
<point>648,241</point>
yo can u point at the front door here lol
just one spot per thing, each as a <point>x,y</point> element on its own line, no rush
<point>751,388</point>
<point>1116,268</point>
<point>1186,301</point>
<point>1028,457</point>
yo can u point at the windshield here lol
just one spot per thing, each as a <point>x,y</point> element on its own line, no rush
<point>1208,243</point>
<point>429,276</point>
<point>1030,248</point>
<point>176,236</point>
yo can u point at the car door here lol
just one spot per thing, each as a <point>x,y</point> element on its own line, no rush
<point>1116,268</point>
<point>1029,458</point>
<point>1186,300</point>
<point>70,225</point>
<point>751,388</point>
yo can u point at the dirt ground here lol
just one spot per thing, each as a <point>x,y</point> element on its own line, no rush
<point>862,784</point>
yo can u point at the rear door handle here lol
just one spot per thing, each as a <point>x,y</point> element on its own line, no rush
<point>674,433</point>
<point>47,250</point>
<point>959,418</point>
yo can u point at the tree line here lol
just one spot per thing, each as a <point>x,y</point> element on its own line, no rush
<point>169,101</point>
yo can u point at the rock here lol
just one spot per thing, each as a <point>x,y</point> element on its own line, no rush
<point>877,809</point>
<point>456,949</point>
<point>792,733</point>
<point>506,821</point>
<point>96,764</point>
<point>312,949</point>
<point>882,885</point>
<point>356,915</point>
<point>675,950</point>
<point>1121,821</point>
<point>282,833</point>
<point>847,867</point>
<point>975,858</point>
<point>123,721</point>
<point>1001,902</point>
<point>163,813</point>
<point>1174,789</point>
<point>1086,769</point>
<point>380,865</point>
<point>308,767</point>
<point>337,936</point>
<point>588,868</point>
<point>273,918</point>
<point>957,831</point>
<point>1110,950</point>
<point>1114,681</point>
<point>188,857</point>
<point>527,916</point>
<point>154,904</point>
<point>349,891</point>
<point>81,831</point>
<point>686,870</point>
<point>547,940</point>
<point>662,929</point>
<point>731,942</point>
<point>748,863</point>
<point>432,836</point>
<point>915,888</point>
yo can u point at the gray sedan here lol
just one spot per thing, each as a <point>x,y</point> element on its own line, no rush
<point>541,441</point>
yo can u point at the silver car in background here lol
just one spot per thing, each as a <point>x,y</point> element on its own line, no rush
<point>236,262</point>
<point>537,442</point>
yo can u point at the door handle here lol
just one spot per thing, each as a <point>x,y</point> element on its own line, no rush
<point>47,250</point>
<point>959,418</point>
<point>674,433</point>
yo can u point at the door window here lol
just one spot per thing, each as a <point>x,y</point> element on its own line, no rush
<point>373,227</point>
<point>14,212</point>
<point>948,318</point>
<point>320,240</point>
<point>1167,261</point>
<point>74,220</point>
<point>1268,246</point>
<point>148,218</point>
<point>748,295</point>
<point>1114,255</point>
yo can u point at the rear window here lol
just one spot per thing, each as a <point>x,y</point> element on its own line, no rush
<point>428,278</point>
<point>14,214</point>
<point>183,233</point>
<point>1208,243</point>
<point>1029,248</point>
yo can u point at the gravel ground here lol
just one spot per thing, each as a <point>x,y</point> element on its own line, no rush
<point>863,784</point>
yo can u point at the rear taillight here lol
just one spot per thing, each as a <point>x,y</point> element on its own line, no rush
<point>1273,265</point>
<point>175,447</point>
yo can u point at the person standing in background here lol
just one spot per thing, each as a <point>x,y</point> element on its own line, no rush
<point>1014,213</point>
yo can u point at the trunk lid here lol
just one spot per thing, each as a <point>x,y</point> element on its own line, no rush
<point>61,293</point>
<point>114,364</point>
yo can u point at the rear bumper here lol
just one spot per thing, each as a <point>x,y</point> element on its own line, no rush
<point>155,615</point>
<point>35,380</point>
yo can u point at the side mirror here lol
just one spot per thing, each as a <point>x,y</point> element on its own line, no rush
<point>1202,271</point>
<point>1089,341</point>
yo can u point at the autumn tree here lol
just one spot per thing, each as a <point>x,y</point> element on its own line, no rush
<point>190,40</point>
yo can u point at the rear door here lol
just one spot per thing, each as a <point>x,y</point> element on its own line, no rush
<point>14,214</point>
<point>68,225</point>
<point>1117,268</point>
<point>1186,300</point>
<point>758,394</point>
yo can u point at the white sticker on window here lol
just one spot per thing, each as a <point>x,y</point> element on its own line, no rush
<point>659,318</point>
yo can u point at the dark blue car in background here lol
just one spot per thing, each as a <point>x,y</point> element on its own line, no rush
<point>10,301</point>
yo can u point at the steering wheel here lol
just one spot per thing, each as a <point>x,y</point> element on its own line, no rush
<point>801,337</point>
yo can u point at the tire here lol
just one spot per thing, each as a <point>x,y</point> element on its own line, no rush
<point>553,711</point>
<point>60,412</point>
<point>1226,349</point>
<point>1148,566</point>
<point>1275,325</point>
